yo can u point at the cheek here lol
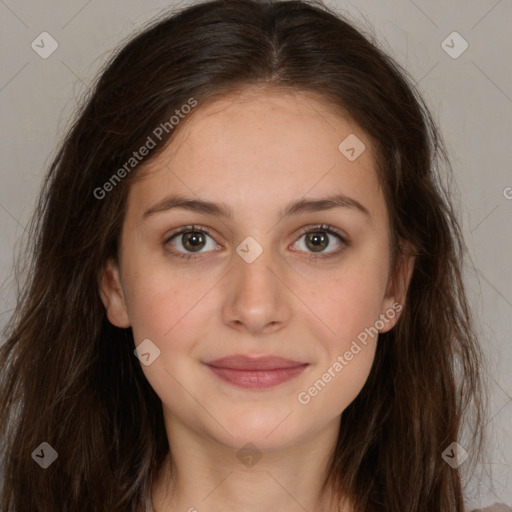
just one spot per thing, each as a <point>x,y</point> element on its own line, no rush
<point>350,300</point>
<point>171,310</point>
<point>159,302</point>
<point>350,308</point>
<point>335,387</point>
<point>167,312</point>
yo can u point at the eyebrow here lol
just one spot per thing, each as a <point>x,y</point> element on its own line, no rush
<point>222,210</point>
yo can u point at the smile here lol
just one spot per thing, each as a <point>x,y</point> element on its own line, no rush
<point>256,373</point>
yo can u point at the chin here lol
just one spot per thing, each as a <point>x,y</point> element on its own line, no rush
<point>266,429</point>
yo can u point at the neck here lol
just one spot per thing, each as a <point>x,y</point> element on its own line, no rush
<point>207,476</point>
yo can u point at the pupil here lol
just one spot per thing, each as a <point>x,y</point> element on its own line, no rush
<point>319,241</point>
<point>193,240</point>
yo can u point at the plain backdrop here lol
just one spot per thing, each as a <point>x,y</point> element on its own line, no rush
<point>469,93</point>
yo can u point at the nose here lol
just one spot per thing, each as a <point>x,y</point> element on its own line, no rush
<point>256,300</point>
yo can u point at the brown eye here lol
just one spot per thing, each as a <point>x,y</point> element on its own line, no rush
<point>317,242</point>
<point>193,240</point>
<point>190,240</point>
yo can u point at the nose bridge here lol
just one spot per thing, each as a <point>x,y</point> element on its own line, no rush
<point>255,300</point>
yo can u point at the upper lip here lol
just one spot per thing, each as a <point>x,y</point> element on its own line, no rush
<point>241,362</point>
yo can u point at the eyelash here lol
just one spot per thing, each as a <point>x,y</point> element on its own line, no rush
<point>324,228</point>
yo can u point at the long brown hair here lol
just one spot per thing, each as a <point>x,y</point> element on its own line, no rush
<point>70,378</point>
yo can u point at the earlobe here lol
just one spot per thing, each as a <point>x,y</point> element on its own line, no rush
<point>395,298</point>
<point>112,296</point>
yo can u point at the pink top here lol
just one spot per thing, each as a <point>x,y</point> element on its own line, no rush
<point>497,507</point>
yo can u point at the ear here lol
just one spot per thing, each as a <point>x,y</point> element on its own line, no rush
<point>111,294</point>
<point>398,284</point>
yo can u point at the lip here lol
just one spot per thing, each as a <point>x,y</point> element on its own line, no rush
<point>256,372</point>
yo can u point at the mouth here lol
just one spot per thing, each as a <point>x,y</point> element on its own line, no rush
<point>256,373</point>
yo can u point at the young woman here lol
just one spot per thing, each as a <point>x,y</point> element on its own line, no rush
<point>245,289</point>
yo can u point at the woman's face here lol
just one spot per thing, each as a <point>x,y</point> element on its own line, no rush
<point>245,283</point>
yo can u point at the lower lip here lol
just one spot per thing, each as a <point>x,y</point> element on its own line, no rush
<point>257,379</point>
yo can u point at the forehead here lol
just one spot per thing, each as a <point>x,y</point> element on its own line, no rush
<point>262,148</point>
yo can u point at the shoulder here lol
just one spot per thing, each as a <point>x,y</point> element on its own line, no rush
<point>497,507</point>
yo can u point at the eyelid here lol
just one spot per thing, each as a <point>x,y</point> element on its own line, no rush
<point>327,228</point>
<point>180,231</point>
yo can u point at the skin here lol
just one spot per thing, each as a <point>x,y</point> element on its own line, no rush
<point>256,151</point>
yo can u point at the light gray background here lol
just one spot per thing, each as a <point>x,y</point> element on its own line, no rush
<point>470,96</point>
